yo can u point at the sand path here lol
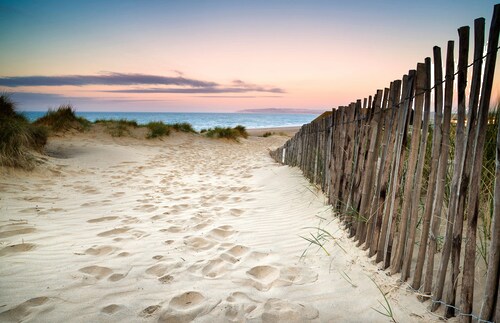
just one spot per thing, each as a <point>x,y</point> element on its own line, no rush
<point>122,230</point>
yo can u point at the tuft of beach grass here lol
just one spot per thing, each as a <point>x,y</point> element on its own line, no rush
<point>18,137</point>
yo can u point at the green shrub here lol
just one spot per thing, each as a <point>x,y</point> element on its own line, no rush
<point>123,122</point>
<point>117,128</point>
<point>39,136</point>
<point>242,131</point>
<point>227,133</point>
<point>183,127</point>
<point>18,137</point>
<point>157,129</point>
<point>63,119</point>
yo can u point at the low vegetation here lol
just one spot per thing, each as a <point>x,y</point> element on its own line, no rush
<point>183,127</point>
<point>117,128</point>
<point>157,129</point>
<point>18,137</point>
<point>227,133</point>
<point>267,134</point>
<point>63,119</point>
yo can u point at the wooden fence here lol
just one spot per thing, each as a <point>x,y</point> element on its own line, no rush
<point>386,167</point>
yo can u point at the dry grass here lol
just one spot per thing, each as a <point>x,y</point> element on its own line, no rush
<point>63,119</point>
<point>227,133</point>
<point>18,137</point>
<point>118,128</point>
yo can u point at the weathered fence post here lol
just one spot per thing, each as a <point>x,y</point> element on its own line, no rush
<point>457,165</point>
<point>415,198</point>
<point>442,169</point>
<point>472,207</point>
<point>467,164</point>
<point>371,162</point>
<point>410,171</point>
<point>397,163</point>
<point>384,185</point>
<point>436,151</point>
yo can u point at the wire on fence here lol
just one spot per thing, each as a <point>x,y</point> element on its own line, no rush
<point>457,313</point>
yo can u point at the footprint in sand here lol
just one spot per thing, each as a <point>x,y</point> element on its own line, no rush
<point>16,248</point>
<point>11,233</point>
<point>236,212</point>
<point>113,232</point>
<point>213,268</point>
<point>100,251</point>
<point>202,225</point>
<point>278,310</point>
<point>157,217</point>
<point>146,208</point>
<point>150,311</point>
<point>131,220</point>
<point>298,275</point>
<point>239,306</point>
<point>97,272</point>
<point>118,194</point>
<point>173,229</point>
<point>161,268</point>
<point>116,277</point>
<point>111,309</point>
<point>188,306</point>
<point>167,279</point>
<point>23,310</point>
<point>221,232</point>
<point>234,254</point>
<point>263,277</point>
<point>199,243</point>
<point>102,219</point>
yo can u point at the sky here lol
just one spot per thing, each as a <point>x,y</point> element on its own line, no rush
<point>218,55</point>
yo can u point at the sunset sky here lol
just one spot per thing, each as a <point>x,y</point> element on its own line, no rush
<point>207,56</point>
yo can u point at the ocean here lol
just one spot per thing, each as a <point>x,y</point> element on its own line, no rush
<point>199,120</point>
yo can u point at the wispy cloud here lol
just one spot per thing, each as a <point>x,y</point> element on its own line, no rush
<point>148,83</point>
<point>236,96</point>
<point>204,90</point>
<point>102,79</point>
<point>31,97</point>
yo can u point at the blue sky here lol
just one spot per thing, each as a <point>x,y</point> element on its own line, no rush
<point>254,54</point>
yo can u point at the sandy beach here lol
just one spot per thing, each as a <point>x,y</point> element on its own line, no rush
<point>177,230</point>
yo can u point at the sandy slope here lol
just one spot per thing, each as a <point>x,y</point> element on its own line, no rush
<point>125,230</point>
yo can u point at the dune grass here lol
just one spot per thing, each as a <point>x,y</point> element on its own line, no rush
<point>183,127</point>
<point>18,137</point>
<point>63,119</point>
<point>157,129</point>
<point>160,129</point>
<point>227,132</point>
<point>117,128</point>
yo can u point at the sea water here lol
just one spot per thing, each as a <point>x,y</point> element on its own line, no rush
<point>199,120</point>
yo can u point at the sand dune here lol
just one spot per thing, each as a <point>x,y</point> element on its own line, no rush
<point>177,230</point>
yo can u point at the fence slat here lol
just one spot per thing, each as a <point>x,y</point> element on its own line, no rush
<point>436,152</point>
<point>467,164</point>
<point>415,198</point>
<point>397,166</point>
<point>457,165</point>
<point>467,294</point>
<point>442,169</point>
<point>370,164</point>
<point>384,185</point>
<point>397,259</point>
